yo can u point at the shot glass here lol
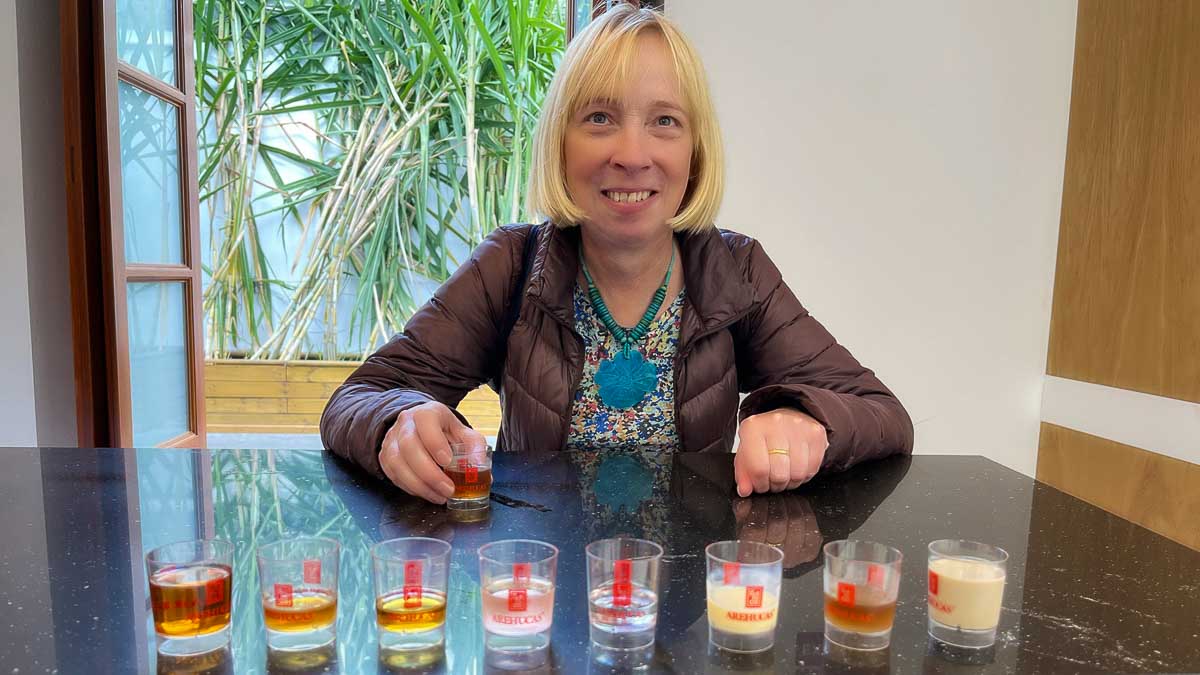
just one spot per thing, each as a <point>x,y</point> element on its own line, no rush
<point>470,469</point>
<point>517,579</point>
<point>862,579</point>
<point>966,588</point>
<point>191,591</point>
<point>622,578</point>
<point>743,595</point>
<point>410,596</point>
<point>298,580</point>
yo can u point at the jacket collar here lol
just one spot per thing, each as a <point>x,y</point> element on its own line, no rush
<point>715,287</point>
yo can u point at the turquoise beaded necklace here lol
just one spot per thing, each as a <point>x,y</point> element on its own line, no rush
<point>626,377</point>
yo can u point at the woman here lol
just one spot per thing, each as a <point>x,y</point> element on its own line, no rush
<point>626,318</point>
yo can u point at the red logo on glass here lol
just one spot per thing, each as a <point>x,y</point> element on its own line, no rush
<point>312,571</point>
<point>845,593</point>
<point>518,600</point>
<point>412,573</point>
<point>214,591</point>
<point>283,595</point>
<point>412,597</point>
<point>733,573</point>
<point>754,596</point>
<point>520,575</point>
<point>875,576</point>
<point>933,582</point>
<point>622,589</point>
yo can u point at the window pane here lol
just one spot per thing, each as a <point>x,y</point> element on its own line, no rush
<point>583,14</point>
<point>158,362</point>
<point>150,177</point>
<point>146,36</point>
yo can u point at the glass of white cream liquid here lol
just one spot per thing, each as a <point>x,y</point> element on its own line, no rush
<point>966,590</point>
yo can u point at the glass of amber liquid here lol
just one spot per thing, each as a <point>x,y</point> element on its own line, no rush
<point>191,591</point>
<point>470,469</point>
<point>743,595</point>
<point>298,579</point>
<point>410,593</point>
<point>862,579</point>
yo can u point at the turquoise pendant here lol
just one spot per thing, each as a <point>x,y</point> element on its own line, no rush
<point>625,379</point>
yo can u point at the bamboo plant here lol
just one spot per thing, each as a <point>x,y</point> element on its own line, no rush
<point>409,124</point>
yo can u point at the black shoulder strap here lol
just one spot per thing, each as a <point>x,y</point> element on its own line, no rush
<point>514,302</point>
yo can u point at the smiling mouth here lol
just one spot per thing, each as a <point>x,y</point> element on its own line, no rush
<point>622,197</point>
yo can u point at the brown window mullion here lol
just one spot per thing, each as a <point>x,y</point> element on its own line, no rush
<point>151,84</point>
<point>148,272</point>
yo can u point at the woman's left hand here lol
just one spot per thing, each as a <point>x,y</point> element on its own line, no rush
<point>801,438</point>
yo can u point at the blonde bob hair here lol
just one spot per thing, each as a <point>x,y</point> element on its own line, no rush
<point>594,67</point>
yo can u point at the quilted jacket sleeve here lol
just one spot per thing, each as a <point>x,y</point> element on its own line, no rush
<point>446,350</point>
<point>786,358</point>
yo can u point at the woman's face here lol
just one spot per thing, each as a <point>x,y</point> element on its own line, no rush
<point>627,161</point>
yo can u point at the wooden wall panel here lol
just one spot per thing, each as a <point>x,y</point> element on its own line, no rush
<point>1127,288</point>
<point>1157,492</point>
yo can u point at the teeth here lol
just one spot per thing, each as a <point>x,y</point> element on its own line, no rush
<point>628,197</point>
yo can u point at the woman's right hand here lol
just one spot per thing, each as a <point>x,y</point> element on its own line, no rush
<point>417,447</point>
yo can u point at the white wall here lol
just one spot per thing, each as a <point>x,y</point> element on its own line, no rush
<point>37,388</point>
<point>903,164</point>
<point>40,64</point>
<point>17,420</point>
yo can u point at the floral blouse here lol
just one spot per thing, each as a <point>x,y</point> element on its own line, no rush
<point>648,424</point>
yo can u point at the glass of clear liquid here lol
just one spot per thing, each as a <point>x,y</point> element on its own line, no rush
<point>622,577</point>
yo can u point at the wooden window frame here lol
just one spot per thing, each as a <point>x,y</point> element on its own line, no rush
<point>96,244</point>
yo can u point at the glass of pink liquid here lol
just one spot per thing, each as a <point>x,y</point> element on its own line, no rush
<point>516,578</point>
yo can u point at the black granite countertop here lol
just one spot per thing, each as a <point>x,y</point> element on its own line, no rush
<point>1086,591</point>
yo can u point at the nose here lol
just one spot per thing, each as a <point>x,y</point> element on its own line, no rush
<point>632,151</point>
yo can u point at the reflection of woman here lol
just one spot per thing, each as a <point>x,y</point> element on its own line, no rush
<point>627,317</point>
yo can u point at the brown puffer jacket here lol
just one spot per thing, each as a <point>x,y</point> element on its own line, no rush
<point>742,330</point>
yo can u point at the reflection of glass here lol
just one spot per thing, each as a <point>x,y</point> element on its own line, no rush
<point>966,589</point>
<point>517,579</point>
<point>146,36</point>
<point>191,586</point>
<point>262,496</point>
<point>158,362</point>
<point>303,662</point>
<point>410,593</point>
<point>470,469</point>
<point>622,577</point>
<point>862,579</point>
<point>743,594</point>
<point>152,216</point>
<point>298,579</point>
<point>217,662</point>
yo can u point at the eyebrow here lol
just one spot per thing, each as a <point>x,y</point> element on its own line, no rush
<point>614,103</point>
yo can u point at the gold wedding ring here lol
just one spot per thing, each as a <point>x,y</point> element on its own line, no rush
<point>777,451</point>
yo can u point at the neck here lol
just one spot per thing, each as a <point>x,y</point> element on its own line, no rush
<point>622,268</point>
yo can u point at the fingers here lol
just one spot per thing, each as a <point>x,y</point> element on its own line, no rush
<point>406,456</point>
<point>780,463</point>
<point>393,460</point>
<point>474,442</point>
<point>431,427</point>
<point>751,468</point>
<point>799,466</point>
<point>417,487</point>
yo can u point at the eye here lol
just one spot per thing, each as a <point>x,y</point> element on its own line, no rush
<point>667,121</point>
<point>597,117</point>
